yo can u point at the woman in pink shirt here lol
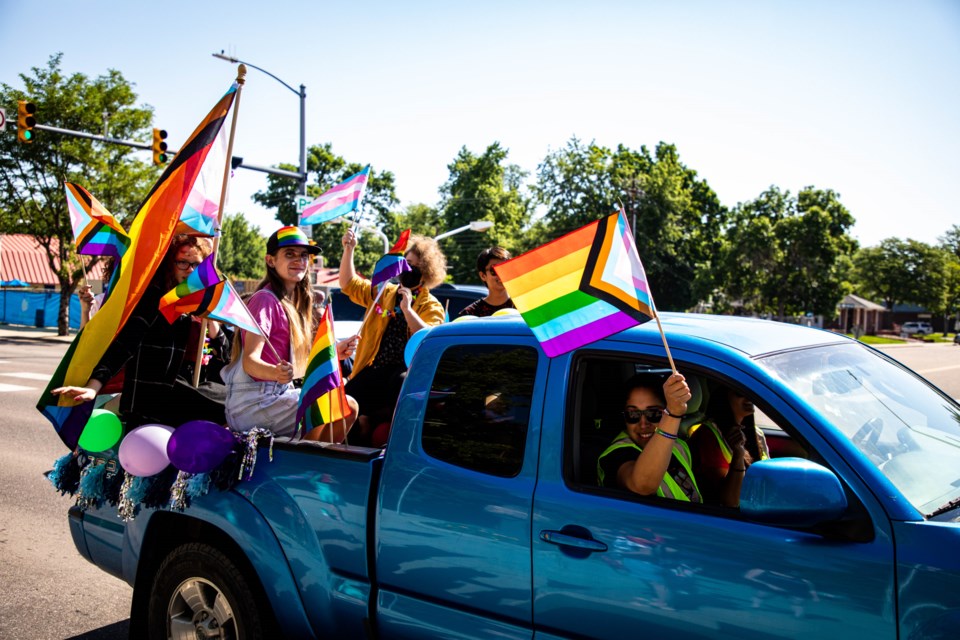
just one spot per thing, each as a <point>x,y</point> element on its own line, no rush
<point>260,386</point>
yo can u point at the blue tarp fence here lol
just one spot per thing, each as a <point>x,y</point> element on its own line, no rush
<point>35,308</point>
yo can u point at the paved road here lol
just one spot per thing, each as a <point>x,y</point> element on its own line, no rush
<point>47,590</point>
<point>939,363</point>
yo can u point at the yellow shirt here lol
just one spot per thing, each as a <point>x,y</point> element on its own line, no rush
<point>371,331</point>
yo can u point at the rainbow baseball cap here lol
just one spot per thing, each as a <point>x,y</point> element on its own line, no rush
<point>290,237</point>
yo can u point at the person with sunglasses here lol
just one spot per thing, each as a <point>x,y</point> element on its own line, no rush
<point>153,353</point>
<point>647,457</point>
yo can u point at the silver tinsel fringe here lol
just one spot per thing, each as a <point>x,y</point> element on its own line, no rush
<point>178,492</point>
<point>127,508</point>
<point>250,443</point>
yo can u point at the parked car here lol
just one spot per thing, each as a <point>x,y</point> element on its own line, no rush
<point>916,328</point>
<point>348,316</point>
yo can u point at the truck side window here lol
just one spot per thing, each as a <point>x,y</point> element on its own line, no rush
<point>479,408</point>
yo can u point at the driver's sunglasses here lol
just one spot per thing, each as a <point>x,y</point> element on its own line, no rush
<point>632,416</point>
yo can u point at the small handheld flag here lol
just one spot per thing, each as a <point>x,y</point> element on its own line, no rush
<point>323,378</point>
<point>581,287</point>
<point>207,294</point>
<point>337,201</point>
<point>393,263</point>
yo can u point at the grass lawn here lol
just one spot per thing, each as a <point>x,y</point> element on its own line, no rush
<point>878,339</point>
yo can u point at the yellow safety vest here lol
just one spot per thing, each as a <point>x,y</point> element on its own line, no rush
<point>669,487</point>
<point>724,448</point>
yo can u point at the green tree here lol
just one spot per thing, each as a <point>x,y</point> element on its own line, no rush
<point>951,240</point>
<point>676,216</point>
<point>32,175</point>
<point>481,187</point>
<point>325,170</point>
<point>894,271</point>
<point>241,250</point>
<point>788,256</point>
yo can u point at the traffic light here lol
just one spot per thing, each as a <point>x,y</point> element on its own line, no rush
<point>159,146</point>
<point>25,121</point>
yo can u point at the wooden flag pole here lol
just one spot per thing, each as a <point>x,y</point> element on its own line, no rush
<point>241,79</point>
<point>653,306</point>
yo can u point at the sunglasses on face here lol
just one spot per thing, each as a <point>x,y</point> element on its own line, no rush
<point>632,416</point>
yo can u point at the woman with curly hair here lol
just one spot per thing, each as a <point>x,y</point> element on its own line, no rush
<point>402,309</point>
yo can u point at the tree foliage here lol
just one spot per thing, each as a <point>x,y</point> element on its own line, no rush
<point>32,175</point>
<point>788,256</point>
<point>676,216</point>
<point>241,250</point>
<point>481,187</point>
<point>896,271</point>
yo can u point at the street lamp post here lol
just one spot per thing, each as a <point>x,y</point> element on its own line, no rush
<point>475,225</point>
<point>303,114</point>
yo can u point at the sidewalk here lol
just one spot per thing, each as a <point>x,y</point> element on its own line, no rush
<point>32,333</point>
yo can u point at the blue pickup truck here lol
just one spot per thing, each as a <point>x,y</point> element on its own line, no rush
<point>482,517</point>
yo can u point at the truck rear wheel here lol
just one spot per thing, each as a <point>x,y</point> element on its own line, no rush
<point>200,593</point>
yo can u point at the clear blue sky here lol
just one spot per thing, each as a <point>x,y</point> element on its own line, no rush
<point>862,97</point>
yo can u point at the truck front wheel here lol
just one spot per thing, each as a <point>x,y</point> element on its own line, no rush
<point>200,593</point>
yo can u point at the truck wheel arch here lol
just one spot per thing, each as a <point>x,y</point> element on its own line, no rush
<point>168,531</point>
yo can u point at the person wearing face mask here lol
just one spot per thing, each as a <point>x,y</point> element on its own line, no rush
<point>647,457</point>
<point>402,309</point>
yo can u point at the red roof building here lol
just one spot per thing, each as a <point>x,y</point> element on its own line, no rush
<point>23,258</point>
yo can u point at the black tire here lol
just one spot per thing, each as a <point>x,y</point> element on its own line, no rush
<point>200,592</point>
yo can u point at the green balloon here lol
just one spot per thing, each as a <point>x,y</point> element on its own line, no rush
<point>103,430</point>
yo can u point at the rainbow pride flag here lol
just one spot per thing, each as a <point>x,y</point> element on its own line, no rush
<point>150,234</point>
<point>323,381</point>
<point>393,263</point>
<point>581,287</point>
<point>207,294</point>
<point>338,201</point>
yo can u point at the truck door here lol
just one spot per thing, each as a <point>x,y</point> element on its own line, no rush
<point>610,564</point>
<point>453,529</point>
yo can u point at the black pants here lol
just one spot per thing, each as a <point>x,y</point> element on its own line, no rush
<point>185,403</point>
<point>376,391</point>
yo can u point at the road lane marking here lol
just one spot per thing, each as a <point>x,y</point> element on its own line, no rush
<point>28,375</point>
<point>14,387</point>
<point>924,372</point>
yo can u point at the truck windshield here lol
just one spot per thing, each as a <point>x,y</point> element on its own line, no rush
<point>904,425</point>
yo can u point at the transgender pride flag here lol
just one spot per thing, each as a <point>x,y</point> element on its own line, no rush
<point>338,201</point>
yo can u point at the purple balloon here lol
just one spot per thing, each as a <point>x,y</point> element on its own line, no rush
<point>200,446</point>
<point>143,452</point>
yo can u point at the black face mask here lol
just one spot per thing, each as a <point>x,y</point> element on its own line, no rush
<point>411,279</point>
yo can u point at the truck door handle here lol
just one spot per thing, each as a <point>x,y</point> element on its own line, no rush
<point>573,536</point>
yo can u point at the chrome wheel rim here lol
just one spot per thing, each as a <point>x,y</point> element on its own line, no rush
<point>199,610</point>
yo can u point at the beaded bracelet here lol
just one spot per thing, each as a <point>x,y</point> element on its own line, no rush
<point>669,436</point>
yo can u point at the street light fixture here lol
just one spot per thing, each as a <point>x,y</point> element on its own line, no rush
<point>303,114</point>
<point>476,225</point>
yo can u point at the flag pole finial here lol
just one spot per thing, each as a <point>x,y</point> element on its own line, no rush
<point>241,73</point>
